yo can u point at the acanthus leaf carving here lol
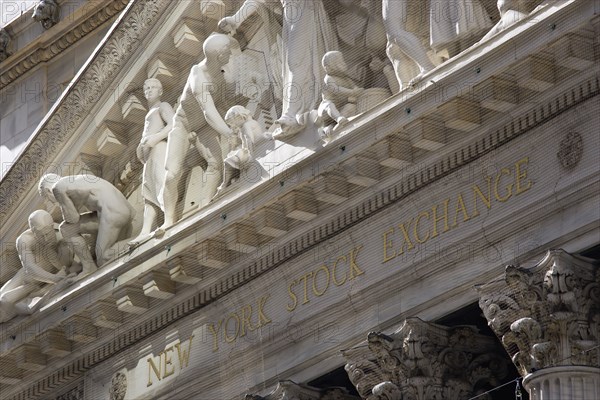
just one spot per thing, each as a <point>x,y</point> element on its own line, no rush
<point>547,315</point>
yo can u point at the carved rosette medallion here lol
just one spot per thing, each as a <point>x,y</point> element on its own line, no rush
<point>571,150</point>
<point>423,360</point>
<point>548,318</point>
<point>118,386</point>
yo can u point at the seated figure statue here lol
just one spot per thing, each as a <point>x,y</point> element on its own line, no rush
<point>107,213</point>
<point>339,94</point>
<point>44,261</point>
<point>249,132</point>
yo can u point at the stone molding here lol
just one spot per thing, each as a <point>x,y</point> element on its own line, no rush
<point>28,58</point>
<point>288,390</point>
<point>547,315</point>
<point>423,360</point>
<point>31,56</point>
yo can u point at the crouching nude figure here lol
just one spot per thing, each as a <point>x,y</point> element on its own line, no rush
<point>44,261</point>
<point>107,214</point>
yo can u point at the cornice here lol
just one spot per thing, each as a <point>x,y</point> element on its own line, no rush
<point>555,106</point>
<point>45,49</point>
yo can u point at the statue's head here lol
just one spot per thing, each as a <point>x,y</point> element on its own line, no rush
<point>237,115</point>
<point>333,61</point>
<point>152,89</point>
<point>42,226</point>
<point>218,47</point>
<point>46,12</point>
<point>45,186</point>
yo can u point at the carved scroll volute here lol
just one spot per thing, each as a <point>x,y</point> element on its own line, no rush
<point>548,315</point>
<point>363,371</point>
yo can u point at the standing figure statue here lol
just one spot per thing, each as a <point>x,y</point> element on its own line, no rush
<point>511,11</point>
<point>44,261</point>
<point>395,14</point>
<point>152,151</point>
<point>107,214</point>
<point>307,35</point>
<point>205,82</point>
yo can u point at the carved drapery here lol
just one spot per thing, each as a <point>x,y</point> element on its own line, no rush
<point>288,390</point>
<point>425,361</point>
<point>548,318</point>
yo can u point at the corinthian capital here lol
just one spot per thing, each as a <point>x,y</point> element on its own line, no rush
<point>548,315</point>
<point>423,360</point>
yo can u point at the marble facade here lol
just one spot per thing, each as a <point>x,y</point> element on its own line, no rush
<point>280,251</point>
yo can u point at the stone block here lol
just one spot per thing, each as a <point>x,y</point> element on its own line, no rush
<point>461,114</point>
<point>133,110</point>
<point>241,238</point>
<point>271,221</point>
<point>109,144</point>
<point>394,152</point>
<point>362,171</point>
<point>331,188</point>
<point>158,284</point>
<point>29,357</point>
<point>574,52</point>
<point>426,134</point>
<point>535,74</point>
<point>163,67</point>
<point>9,373</point>
<point>80,329</point>
<point>131,300</point>
<point>213,254</point>
<point>188,274</point>
<point>106,315</point>
<point>300,204</point>
<point>53,342</point>
<point>497,94</point>
<point>187,37</point>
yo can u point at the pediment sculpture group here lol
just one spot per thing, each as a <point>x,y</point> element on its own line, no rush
<point>327,65</point>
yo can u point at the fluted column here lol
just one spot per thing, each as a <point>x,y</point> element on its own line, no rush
<point>548,317</point>
<point>424,361</point>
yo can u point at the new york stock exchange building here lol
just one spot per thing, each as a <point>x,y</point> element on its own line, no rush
<point>300,200</point>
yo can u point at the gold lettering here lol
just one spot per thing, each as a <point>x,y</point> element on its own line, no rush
<point>335,264</point>
<point>211,328</point>
<point>292,307</point>
<point>246,314</point>
<point>478,193</point>
<point>423,214</point>
<point>387,244</point>
<point>314,285</point>
<point>185,358</point>
<point>435,218</point>
<point>168,361</point>
<point>460,207</point>
<point>521,174</point>
<point>262,318</point>
<point>354,270</point>
<point>503,171</point>
<point>305,277</point>
<point>406,238</point>
<point>230,339</point>
<point>153,367</point>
